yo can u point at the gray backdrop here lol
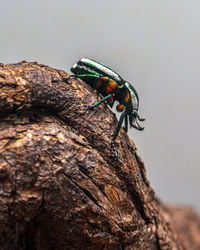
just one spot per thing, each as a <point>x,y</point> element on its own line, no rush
<point>153,44</point>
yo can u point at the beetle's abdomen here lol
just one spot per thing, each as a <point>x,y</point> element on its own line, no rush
<point>124,99</point>
<point>105,85</point>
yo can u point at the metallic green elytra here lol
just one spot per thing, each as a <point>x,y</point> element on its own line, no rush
<point>113,88</point>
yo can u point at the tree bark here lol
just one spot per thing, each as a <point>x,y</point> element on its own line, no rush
<point>60,184</point>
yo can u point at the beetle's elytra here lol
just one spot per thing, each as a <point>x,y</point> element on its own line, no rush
<point>113,88</point>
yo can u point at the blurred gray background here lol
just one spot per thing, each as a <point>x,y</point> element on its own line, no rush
<point>153,44</point>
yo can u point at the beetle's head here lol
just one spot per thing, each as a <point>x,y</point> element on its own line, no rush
<point>134,118</point>
<point>133,114</point>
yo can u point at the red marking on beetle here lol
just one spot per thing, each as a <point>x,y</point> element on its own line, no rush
<point>104,78</point>
<point>109,90</point>
<point>127,97</point>
<point>98,83</point>
<point>112,84</point>
<point>120,107</point>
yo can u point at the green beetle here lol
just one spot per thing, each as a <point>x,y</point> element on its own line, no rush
<point>113,88</point>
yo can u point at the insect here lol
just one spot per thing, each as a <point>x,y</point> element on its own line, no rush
<point>113,88</point>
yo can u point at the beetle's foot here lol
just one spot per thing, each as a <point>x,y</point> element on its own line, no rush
<point>66,79</point>
<point>114,150</point>
<point>91,107</point>
<point>138,127</point>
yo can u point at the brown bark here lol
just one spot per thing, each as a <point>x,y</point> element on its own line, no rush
<point>60,185</point>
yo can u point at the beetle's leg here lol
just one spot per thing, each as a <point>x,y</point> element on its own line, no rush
<point>89,78</point>
<point>71,76</point>
<point>126,123</point>
<point>85,77</point>
<point>102,100</point>
<point>119,123</point>
<point>117,130</point>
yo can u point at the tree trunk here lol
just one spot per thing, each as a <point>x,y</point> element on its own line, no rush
<point>60,184</point>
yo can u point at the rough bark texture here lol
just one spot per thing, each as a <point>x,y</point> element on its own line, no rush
<point>60,185</point>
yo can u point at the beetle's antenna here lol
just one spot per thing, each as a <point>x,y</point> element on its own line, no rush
<point>136,125</point>
<point>141,119</point>
<point>139,127</point>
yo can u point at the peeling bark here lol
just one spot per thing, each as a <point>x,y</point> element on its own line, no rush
<point>60,185</point>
